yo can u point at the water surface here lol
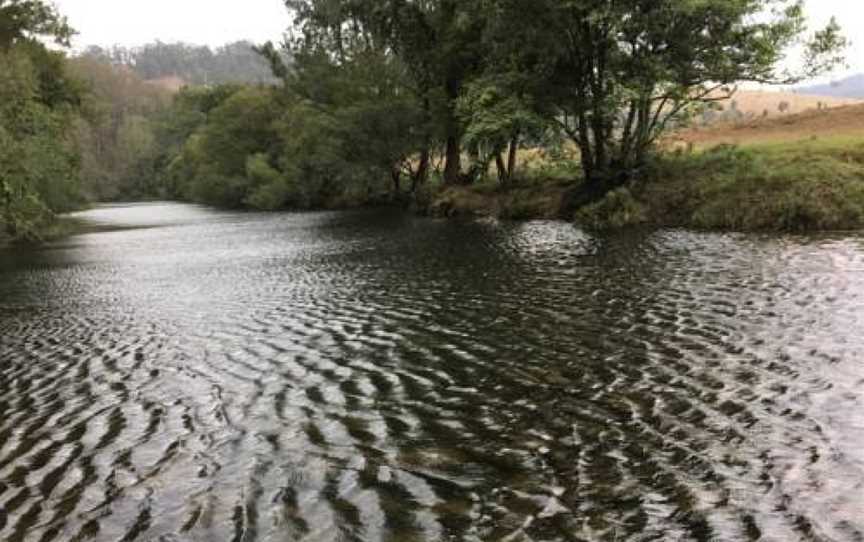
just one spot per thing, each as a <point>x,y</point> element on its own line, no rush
<point>358,376</point>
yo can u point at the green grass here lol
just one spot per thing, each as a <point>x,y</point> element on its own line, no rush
<point>805,186</point>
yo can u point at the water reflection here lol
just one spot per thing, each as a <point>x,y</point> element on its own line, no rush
<point>348,376</point>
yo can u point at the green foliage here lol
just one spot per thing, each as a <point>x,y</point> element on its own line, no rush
<point>617,74</point>
<point>203,142</point>
<point>793,187</point>
<point>380,99</point>
<point>116,132</point>
<point>270,189</point>
<point>617,209</point>
<point>23,20</point>
<point>497,115</point>
<point>238,128</point>
<point>38,163</point>
<point>487,76</point>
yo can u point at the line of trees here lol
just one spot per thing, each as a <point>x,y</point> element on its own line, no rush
<point>374,98</point>
<point>38,162</point>
<point>384,94</point>
<point>72,130</point>
<point>235,62</point>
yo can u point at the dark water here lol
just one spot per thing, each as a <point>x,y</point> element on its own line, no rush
<point>219,376</point>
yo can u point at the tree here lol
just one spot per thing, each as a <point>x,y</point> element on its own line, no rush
<point>621,72</point>
<point>116,131</point>
<point>38,163</point>
<point>205,139</point>
<point>438,41</point>
<point>22,20</point>
<point>497,118</point>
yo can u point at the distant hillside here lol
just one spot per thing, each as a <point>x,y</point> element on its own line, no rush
<point>752,103</point>
<point>846,121</point>
<point>168,63</point>
<point>851,87</point>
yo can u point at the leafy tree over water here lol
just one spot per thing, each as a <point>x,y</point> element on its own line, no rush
<point>38,162</point>
<point>613,75</point>
<point>618,73</point>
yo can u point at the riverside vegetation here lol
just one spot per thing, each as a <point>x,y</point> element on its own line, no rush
<point>514,108</point>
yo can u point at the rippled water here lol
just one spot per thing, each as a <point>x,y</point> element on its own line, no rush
<point>349,376</point>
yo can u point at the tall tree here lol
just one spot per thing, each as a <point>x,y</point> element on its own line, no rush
<point>38,164</point>
<point>439,42</point>
<point>26,19</point>
<point>620,72</point>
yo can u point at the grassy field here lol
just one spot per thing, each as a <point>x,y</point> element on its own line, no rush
<point>838,122</point>
<point>756,103</point>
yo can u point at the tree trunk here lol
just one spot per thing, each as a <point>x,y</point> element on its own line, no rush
<point>511,159</point>
<point>453,164</point>
<point>453,88</point>
<point>7,217</point>
<point>501,168</point>
<point>422,173</point>
<point>396,176</point>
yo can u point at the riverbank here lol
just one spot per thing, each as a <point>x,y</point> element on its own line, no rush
<point>58,228</point>
<point>804,186</point>
<point>811,185</point>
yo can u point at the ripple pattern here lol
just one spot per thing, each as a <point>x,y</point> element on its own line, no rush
<point>357,377</point>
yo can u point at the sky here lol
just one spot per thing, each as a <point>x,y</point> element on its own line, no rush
<point>216,22</point>
<point>200,22</point>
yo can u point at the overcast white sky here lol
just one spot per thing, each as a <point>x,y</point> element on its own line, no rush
<point>215,22</point>
<point>203,22</point>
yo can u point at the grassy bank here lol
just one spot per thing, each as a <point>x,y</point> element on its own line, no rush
<point>808,185</point>
<point>812,185</point>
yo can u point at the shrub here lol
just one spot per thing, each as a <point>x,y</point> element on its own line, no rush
<point>617,209</point>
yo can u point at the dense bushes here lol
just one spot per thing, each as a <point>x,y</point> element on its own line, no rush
<point>38,162</point>
<point>330,136</point>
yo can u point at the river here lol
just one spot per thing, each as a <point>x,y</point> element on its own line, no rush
<point>191,374</point>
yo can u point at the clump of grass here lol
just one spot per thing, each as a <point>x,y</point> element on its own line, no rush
<point>618,209</point>
<point>459,201</point>
<point>526,204</point>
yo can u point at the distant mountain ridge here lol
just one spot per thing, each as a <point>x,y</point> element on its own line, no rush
<point>172,64</point>
<point>850,87</point>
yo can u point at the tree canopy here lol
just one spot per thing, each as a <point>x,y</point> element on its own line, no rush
<point>610,74</point>
<point>27,19</point>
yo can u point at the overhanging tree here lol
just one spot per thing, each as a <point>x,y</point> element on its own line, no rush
<point>438,41</point>
<point>26,19</point>
<point>621,72</point>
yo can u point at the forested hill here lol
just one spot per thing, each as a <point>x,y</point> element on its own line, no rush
<point>194,64</point>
